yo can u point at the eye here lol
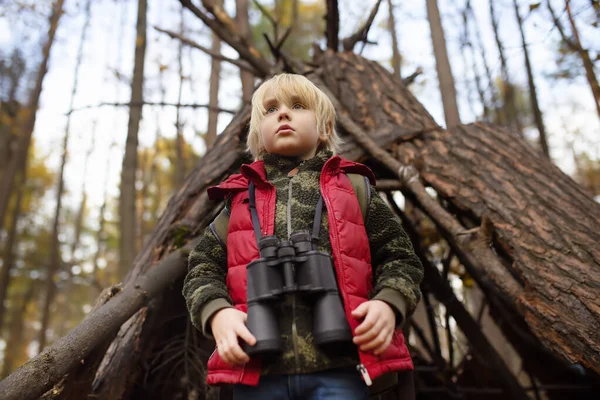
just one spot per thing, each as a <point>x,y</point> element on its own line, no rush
<point>298,106</point>
<point>270,110</point>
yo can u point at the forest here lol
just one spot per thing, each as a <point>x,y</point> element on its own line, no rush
<point>479,118</point>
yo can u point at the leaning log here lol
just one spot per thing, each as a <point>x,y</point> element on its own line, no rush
<point>544,225</point>
<point>42,372</point>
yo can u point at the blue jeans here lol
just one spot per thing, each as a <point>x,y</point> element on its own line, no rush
<point>326,385</point>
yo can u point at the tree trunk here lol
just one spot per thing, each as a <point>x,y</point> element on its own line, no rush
<point>474,66</point>
<point>574,44</point>
<point>127,212</point>
<point>180,161</point>
<point>88,154</point>
<point>537,113</point>
<point>511,111</point>
<point>396,57</point>
<point>83,204</point>
<point>484,59</point>
<point>442,65</point>
<point>56,259</point>
<point>8,259</point>
<point>585,58</point>
<point>10,174</point>
<point>16,346</point>
<point>243,25</point>
<point>213,91</point>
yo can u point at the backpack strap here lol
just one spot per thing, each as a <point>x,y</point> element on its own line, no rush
<point>360,184</point>
<point>220,226</point>
<point>362,189</point>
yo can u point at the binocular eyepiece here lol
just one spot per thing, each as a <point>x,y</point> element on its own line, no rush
<point>292,266</point>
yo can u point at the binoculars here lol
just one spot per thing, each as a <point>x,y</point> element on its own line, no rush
<point>288,266</point>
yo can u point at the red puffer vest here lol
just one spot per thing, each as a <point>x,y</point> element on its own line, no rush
<point>351,256</point>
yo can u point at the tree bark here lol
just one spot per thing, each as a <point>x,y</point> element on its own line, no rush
<point>537,113</point>
<point>8,259</point>
<point>534,214</point>
<point>127,209</point>
<point>396,57</point>
<point>511,111</point>
<point>243,25</point>
<point>10,174</point>
<point>213,91</point>
<point>442,65</point>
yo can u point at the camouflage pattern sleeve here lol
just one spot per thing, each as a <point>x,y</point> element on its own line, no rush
<point>206,277</point>
<point>394,262</point>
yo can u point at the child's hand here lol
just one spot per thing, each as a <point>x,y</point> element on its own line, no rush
<point>227,325</point>
<point>376,331</point>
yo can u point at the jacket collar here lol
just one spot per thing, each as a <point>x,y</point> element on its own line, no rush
<point>274,165</point>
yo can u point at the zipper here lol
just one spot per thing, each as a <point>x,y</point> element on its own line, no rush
<point>289,229</point>
<point>365,374</point>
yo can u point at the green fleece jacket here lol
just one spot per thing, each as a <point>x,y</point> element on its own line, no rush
<point>397,271</point>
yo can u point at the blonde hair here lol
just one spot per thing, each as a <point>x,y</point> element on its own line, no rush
<point>286,88</point>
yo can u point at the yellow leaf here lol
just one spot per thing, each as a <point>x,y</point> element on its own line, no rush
<point>534,6</point>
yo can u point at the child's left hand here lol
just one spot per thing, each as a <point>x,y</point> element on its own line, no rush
<point>376,331</point>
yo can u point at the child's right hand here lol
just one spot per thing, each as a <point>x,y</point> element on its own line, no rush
<point>227,325</point>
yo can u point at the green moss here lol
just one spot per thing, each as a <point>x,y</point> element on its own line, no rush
<point>179,235</point>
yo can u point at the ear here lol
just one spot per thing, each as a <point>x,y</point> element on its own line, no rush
<point>324,135</point>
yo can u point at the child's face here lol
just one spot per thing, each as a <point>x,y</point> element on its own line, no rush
<point>301,139</point>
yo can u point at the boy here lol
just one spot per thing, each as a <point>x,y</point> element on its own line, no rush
<point>293,139</point>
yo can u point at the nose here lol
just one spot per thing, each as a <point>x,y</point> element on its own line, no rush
<point>284,112</point>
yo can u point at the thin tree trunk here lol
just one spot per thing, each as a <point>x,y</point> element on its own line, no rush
<point>244,29</point>
<point>585,58</point>
<point>15,345</point>
<point>537,113</point>
<point>396,57</point>
<point>491,84</point>
<point>55,254</point>
<point>100,234</point>
<point>442,64</point>
<point>83,204</point>
<point>143,194</point>
<point>474,66</point>
<point>213,101</point>
<point>10,174</point>
<point>574,44</point>
<point>180,161</point>
<point>9,251</point>
<point>127,212</point>
<point>511,111</point>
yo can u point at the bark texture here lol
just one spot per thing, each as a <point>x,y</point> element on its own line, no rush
<point>127,214</point>
<point>545,228</point>
<point>442,65</point>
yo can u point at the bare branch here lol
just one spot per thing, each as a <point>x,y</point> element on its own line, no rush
<point>226,31</point>
<point>268,16</point>
<point>411,78</point>
<point>242,64</point>
<point>361,34</point>
<point>333,25</point>
<point>146,103</point>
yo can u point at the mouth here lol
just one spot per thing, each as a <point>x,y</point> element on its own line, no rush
<point>284,128</point>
